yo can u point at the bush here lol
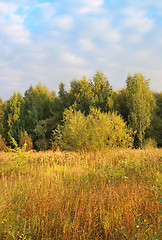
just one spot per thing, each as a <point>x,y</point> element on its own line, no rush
<point>26,141</point>
<point>3,146</point>
<point>149,143</point>
<point>97,131</point>
<point>41,144</point>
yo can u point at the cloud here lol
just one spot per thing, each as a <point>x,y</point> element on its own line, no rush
<point>42,5</point>
<point>94,3</point>
<point>137,20</point>
<point>64,23</point>
<point>145,4</point>
<point>14,31</point>
<point>113,38</point>
<point>135,38</point>
<point>53,41</point>
<point>143,54</point>
<point>71,59</point>
<point>12,26</point>
<point>48,10</point>
<point>7,8</point>
<point>10,77</point>
<point>98,33</point>
<point>88,6</point>
<point>87,45</point>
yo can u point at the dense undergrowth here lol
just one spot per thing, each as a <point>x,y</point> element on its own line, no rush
<point>67,195</point>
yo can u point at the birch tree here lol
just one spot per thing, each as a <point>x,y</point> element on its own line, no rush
<point>140,102</point>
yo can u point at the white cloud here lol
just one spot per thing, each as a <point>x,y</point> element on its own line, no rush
<point>145,4</point>
<point>95,27</point>
<point>76,39</point>
<point>87,45</point>
<point>160,41</point>
<point>10,77</point>
<point>7,8</point>
<point>42,5</point>
<point>2,64</point>
<point>72,59</point>
<point>13,29</point>
<point>99,31</point>
<point>93,3</point>
<point>143,54</point>
<point>137,19</point>
<point>112,37</point>
<point>135,38</point>
<point>48,10</point>
<point>64,23</point>
<point>87,6</point>
<point>155,76</point>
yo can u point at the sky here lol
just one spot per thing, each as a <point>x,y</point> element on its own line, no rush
<point>57,41</point>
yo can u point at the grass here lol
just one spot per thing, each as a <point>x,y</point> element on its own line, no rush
<point>62,195</point>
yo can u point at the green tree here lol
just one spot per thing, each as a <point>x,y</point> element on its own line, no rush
<point>12,120</point>
<point>26,141</point>
<point>1,115</point>
<point>3,146</point>
<point>103,93</point>
<point>96,131</point>
<point>96,92</point>
<point>141,103</point>
<point>121,104</point>
<point>57,107</point>
<point>155,129</point>
<point>37,107</point>
<point>61,102</point>
<point>81,93</point>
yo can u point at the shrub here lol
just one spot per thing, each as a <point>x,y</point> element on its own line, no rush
<point>3,146</point>
<point>97,131</point>
<point>41,144</point>
<point>26,141</point>
<point>149,143</point>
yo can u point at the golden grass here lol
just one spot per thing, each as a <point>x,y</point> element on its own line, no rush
<point>62,195</point>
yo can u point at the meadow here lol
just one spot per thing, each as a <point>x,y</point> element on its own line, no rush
<point>68,195</point>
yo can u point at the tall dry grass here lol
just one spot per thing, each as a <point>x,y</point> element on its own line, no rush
<point>112,195</point>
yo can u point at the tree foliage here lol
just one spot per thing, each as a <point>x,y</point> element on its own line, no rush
<point>1,115</point>
<point>37,107</point>
<point>121,103</point>
<point>26,141</point>
<point>155,129</point>
<point>96,92</point>
<point>3,146</point>
<point>90,115</point>
<point>102,92</point>
<point>140,102</point>
<point>12,119</point>
<point>96,131</point>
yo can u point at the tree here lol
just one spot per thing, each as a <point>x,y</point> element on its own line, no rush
<point>12,121</point>
<point>3,146</point>
<point>96,92</point>
<point>37,107</point>
<point>1,115</point>
<point>141,103</point>
<point>102,92</point>
<point>81,93</point>
<point>155,128</point>
<point>120,103</point>
<point>26,141</point>
<point>96,131</point>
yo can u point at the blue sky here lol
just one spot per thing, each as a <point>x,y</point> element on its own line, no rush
<point>59,40</point>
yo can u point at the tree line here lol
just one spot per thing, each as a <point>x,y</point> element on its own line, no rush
<point>90,115</point>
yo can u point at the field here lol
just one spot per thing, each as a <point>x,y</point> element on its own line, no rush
<point>67,195</point>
